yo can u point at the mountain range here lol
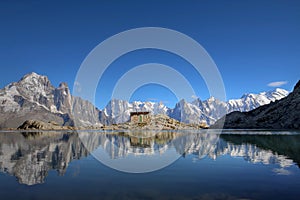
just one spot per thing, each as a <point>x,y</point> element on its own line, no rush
<point>34,97</point>
<point>208,111</point>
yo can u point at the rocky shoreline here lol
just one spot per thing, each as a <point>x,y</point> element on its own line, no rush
<point>157,122</point>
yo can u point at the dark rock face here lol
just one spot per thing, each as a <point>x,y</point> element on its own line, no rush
<point>33,97</point>
<point>85,113</point>
<point>282,114</point>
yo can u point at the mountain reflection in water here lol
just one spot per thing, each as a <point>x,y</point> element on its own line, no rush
<point>29,156</point>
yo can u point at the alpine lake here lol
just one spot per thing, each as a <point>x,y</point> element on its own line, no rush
<point>202,164</point>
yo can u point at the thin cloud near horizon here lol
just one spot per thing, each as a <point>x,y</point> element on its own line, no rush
<point>194,97</point>
<point>277,83</point>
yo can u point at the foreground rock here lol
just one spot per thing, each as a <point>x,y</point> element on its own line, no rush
<point>282,114</point>
<point>39,125</point>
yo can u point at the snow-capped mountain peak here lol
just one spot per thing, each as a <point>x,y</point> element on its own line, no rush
<point>277,94</point>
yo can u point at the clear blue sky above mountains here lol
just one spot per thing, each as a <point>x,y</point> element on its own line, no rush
<point>253,43</point>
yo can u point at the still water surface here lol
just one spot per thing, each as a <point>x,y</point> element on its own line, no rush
<point>180,165</point>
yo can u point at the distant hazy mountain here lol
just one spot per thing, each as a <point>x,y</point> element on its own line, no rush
<point>282,114</point>
<point>34,97</point>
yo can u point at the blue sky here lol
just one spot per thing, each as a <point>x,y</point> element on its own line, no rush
<point>253,43</point>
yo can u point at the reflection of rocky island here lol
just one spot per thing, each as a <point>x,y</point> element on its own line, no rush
<point>30,155</point>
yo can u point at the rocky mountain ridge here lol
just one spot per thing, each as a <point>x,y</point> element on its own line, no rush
<point>281,114</point>
<point>34,97</point>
